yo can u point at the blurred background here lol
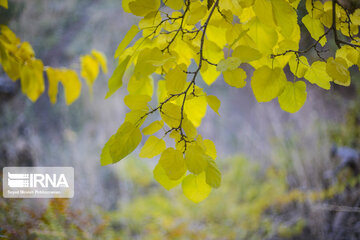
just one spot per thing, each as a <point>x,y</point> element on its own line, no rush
<point>279,179</point>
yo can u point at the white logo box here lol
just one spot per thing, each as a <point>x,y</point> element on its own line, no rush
<point>38,182</point>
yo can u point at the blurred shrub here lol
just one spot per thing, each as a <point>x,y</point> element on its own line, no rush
<point>252,203</point>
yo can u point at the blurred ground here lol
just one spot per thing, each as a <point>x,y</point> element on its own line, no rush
<point>279,152</point>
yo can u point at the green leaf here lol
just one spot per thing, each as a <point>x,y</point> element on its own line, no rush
<point>195,187</point>
<point>125,140</point>
<point>152,147</point>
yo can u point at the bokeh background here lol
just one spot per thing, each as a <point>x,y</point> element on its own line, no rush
<point>274,164</point>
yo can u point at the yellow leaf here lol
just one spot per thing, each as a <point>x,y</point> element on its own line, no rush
<point>125,140</point>
<point>210,148</point>
<point>208,73</point>
<point>350,54</point>
<point>285,17</point>
<point>174,4</point>
<point>69,80</point>
<point>171,114</point>
<point>299,66</point>
<point>105,157</point>
<point>246,53</point>
<point>101,59</point>
<point>172,161</point>
<point>196,13</point>
<point>264,36</point>
<point>267,83</point>
<point>136,117</point>
<point>143,7</point>
<point>315,28</point>
<point>317,74</point>
<point>10,66</point>
<point>338,70</point>
<point>152,147</point>
<point>32,80</point>
<point>263,10</point>
<point>115,82</point>
<point>355,17</point>
<point>195,109</point>
<point>161,91</point>
<point>129,36</point>
<point>214,103</point>
<point>53,79</point>
<point>153,127</point>
<point>179,143</point>
<point>137,102</point>
<point>213,174</point>
<point>235,78</point>
<point>326,18</point>
<point>72,86</point>
<point>144,66</point>
<point>228,64</point>
<point>143,86</point>
<point>125,5</point>
<point>175,79</point>
<point>195,187</point>
<point>216,34</point>
<point>195,158</point>
<point>148,24</point>
<point>189,128</point>
<point>293,96</point>
<point>314,8</point>
<point>89,70</point>
<point>4,3</point>
<point>162,178</point>
<point>26,52</point>
<point>8,35</point>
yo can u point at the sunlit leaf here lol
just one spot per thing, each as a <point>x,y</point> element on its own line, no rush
<point>268,83</point>
<point>173,163</point>
<point>152,147</point>
<point>293,96</point>
<point>125,140</point>
<point>195,187</point>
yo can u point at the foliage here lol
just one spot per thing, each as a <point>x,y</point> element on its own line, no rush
<point>19,62</point>
<point>182,42</point>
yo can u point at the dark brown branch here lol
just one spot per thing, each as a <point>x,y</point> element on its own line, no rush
<point>193,73</point>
